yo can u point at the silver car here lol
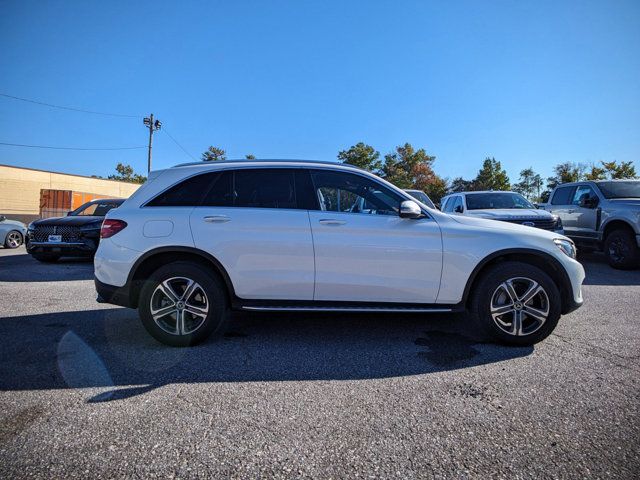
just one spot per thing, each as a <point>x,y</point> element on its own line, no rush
<point>12,232</point>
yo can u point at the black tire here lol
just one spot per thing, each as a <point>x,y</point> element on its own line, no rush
<point>46,258</point>
<point>212,295</point>
<point>621,249</point>
<point>488,287</point>
<point>13,234</point>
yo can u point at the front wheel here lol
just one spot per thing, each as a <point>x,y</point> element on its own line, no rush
<point>622,250</point>
<point>182,304</point>
<point>515,303</point>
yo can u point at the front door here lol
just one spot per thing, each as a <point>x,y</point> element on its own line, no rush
<point>364,251</point>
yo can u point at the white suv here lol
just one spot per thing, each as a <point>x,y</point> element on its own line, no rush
<point>199,239</point>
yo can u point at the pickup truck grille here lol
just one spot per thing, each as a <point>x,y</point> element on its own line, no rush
<point>69,234</point>
<point>545,224</point>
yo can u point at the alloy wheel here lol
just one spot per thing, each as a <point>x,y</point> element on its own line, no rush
<point>179,305</point>
<point>519,306</point>
<point>14,239</point>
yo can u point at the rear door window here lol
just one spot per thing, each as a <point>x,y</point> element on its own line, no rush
<point>562,196</point>
<point>265,188</point>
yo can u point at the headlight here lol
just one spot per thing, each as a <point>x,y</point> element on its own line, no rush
<point>567,247</point>
<point>91,226</point>
<point>558,221</point>
<point>30,227</point>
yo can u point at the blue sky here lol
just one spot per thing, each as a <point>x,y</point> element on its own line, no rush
<point>530,83</point>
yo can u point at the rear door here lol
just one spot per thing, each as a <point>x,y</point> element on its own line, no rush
<point>252,221</point>
<point>561,204</point>
<point>364,251</point>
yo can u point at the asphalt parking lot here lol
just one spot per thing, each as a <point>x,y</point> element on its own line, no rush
<point>84,391</point>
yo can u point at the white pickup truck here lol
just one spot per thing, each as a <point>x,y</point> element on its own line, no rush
<point>602,215</point>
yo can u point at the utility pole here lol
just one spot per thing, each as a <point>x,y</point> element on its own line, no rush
<point>152,126</point>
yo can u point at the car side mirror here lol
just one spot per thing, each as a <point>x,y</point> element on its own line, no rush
<point>69,212</point>
<point>410,209</point>
<point>536,205</point>
<point>458,209</point>
<point>2,218</point>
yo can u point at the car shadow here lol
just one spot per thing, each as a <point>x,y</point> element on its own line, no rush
<point>24,268</point>
<point>110,348</point>
<point>598,271</point>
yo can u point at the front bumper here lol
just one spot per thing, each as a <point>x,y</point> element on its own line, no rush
<point>575,273</point>
<point>72,249</point>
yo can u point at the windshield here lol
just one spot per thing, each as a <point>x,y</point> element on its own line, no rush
<point>628,189</point>
<point>98,209</point>
<point>421,197</point>
<point>493,200</point>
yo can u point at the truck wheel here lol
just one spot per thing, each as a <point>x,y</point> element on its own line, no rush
<point>622,250</point>
<point>516,304</point>
<point>182,304</point>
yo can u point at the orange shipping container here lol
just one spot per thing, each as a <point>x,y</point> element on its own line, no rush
<point>56,203</point>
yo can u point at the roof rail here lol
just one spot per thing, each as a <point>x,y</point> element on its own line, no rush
<point>265,160</point>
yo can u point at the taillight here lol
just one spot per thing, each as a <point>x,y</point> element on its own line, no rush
<point>111,227</point>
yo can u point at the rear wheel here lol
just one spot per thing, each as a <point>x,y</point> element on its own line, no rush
<point>621,249</point>
<point>46,258</point>
<point>182,304</point>
<point>13,239</point>
<point>515,303</point>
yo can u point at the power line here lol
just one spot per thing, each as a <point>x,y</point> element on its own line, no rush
<point>73,109</point>
<point>178,144</point>
<point>69,148</point>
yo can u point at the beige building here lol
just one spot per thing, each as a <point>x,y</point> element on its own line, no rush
<point>20,189</point>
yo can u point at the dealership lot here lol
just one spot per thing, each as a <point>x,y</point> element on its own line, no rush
<point>84,390</point>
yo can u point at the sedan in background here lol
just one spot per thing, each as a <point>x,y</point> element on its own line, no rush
<point>76,235</point>
<point>421,197</point>
<point>12,232</point>
<point>503,206</point>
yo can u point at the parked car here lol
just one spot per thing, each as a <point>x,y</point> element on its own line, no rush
<point>503,206</point>
<point>76,235</point>
<point>199,239</point>
<point>421,197</point>
<point>603,215</point>
<point>12,232</point>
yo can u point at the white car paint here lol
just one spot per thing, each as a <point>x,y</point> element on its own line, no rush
<point>291,254</point>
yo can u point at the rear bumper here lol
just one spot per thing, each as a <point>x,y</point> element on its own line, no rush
<point>112,294</point>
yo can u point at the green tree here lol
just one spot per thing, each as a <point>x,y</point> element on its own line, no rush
<point>459,184</point>
<point>363,156</point>
<point>125,173</point>
<point>566,172</point>
<point>411,168</point>
<point>596,173</point>
<point>617,171</point>
<point>213,154</point>
<point>492,176</point>
<point>530,184</point>
<point>250,156</point>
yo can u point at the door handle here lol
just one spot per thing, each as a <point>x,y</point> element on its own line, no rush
<point>330,221</point>
<point>216,219</point>
<point>570,211</point>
